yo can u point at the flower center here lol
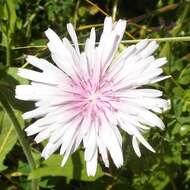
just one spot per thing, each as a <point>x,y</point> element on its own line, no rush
<point>94,97</point>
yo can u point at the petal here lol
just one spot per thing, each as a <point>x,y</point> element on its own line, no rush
<point>110,140</point>
<point>106,31</point>
<point>68,138</point>
<point>45,66</point>
<point>149,49</point>
<point>103,151</point>
<point>38,112</point>
<point>159,78</point>
<point>37,76</point>
<point>136,146</point>
<point>89,51</point>
<point>73,36</point>
<point>91,146</point>
<point>60,54</point>
<point>49,149</point>
<point>42,136</point>
<point>137,134</point>
<point>145,116</point>
<point>92,164</point>
<point>107,48</point>
<point>142,44</point>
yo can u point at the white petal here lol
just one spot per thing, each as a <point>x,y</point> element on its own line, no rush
<point>149,49</point>
<point>145,116</point>
<point>142,44</point>
<point>136,146</point>
<point>110,46</point>
<point>92,164</point>
<point>158,63</point>
<point>60,54</point>
<point>91,146</point>
<point>36,76</point>
<point>92,37</point>
<point>140,93</point>
<point>109,51</point>
<point>144,142</point>
<point>69,137</point>
<point>118,63</point>
<point>137,134</point>
<point>160,78</point>
<point>42,136</point>
<point>68,151</point>
<point>33,130</point>
<point>106,31</point>
<point>109,138</point>
<point>73,36</point>
<point>38,112</point>
<point>44,65</point>
<point>49,149</point>
<point>59,133</point>
<point>124,119</point>
<point>103,151</point>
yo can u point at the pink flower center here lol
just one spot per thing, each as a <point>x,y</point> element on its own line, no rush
<point>93,97</point>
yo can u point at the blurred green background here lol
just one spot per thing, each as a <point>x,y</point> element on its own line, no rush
<point>22,26</point>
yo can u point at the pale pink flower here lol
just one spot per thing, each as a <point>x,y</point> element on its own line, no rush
<point>88,95</point>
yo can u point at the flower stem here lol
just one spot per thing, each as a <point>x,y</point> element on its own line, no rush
<point>21,136</point>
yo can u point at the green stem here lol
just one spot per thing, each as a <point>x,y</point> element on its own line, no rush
<point>76,14</point>
<point>21,136</point>
<point>169,39</point>
<point>8,41</point>
<point>8,53</point>
<point>180,20</point>
<point>175,31</point>
<point>114,10</point>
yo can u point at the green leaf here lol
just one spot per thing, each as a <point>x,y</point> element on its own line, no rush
<point>185,79</point>
<point>8,137</point>
<point>185,130</point>
<point>159,181</point>
<point>73,169</point>
<point>8,21</point>
<point>9,77</point>
<point>11,9</point>
<point>8,81</point>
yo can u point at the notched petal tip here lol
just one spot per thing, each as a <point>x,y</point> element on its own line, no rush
<point>142,44</point>
<point>45,156</point>
<point>108,19</point>
<point>30,59</point>
<point>19,70</point>
<point>24,116</point>
<point>51,35</point>
<point>48,31</point>
<point>69,25</point>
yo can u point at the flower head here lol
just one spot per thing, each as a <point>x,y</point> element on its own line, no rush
<point>89,95</point>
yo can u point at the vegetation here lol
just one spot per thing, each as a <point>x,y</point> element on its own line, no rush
<point>22,26</point>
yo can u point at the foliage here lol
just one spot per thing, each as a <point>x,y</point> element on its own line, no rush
<point>22,24</point>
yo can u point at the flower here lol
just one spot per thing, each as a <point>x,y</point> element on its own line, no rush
<point>88,95</point>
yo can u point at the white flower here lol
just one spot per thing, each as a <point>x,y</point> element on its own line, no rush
<point>88,95</point>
